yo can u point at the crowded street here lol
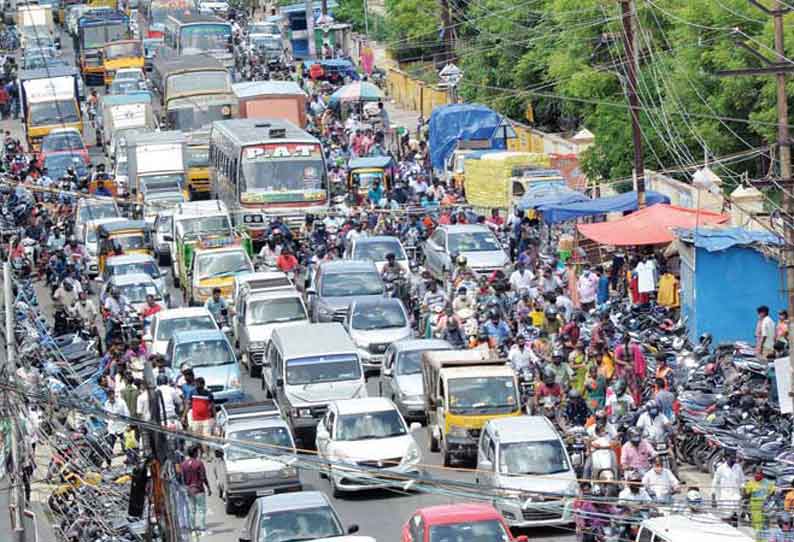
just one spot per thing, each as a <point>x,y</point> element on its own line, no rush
<point>271,288</point>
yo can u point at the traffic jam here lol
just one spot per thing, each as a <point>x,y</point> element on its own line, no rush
<point>248,303</point>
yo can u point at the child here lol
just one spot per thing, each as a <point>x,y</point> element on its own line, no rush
<point>131,445</point>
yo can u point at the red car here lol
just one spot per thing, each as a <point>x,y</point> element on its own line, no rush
<point>63,140</point>
<point>466,522</point>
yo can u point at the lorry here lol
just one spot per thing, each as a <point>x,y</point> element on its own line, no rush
<point>198,164</point>
<point>155,158</point>
<point>498,179</point>
<point>49,99</point>
<point>122,113</point>
<point>272,99</point>
<point>39,16</point>
<point>464,389</point>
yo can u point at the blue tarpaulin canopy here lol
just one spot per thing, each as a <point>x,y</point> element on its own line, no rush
<point>717,239</point>
<point>548,194</point>
<point>554,213</point>
<point>462,122</point>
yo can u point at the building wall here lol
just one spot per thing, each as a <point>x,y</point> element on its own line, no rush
<point>683,194</point>
<point>728,287</point>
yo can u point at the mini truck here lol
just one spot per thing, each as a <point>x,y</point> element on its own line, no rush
<point>258,455</point>
<point>155,157</point>
<point>464,389</point>
<point>49,98</point>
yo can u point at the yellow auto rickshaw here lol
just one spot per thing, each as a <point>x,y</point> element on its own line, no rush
<point>121,238</point>
<point>364,172</point>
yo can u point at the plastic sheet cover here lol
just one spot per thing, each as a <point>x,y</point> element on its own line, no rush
<point>461,122</point>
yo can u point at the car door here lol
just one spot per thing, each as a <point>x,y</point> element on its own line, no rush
<point>268,370</point>
<point>386,381</point>
<point>325,432</point>
<point>486,452</point>
<point>434,253</point>
<point>241,332</point>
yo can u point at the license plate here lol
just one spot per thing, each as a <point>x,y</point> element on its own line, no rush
<point>264,492</point>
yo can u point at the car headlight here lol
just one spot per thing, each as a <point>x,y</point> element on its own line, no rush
<point>301,412</point>
<point>234,382</point>
<point>288,472</point>
<point>412,455</point>
<point>457,432</point>
<point>259,345</point>
<point>237,478</point>
<point>324,311</point>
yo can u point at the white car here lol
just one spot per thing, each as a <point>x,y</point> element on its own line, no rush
<point>369,433</point>
<point>130,74</point>
<point>166,323</point>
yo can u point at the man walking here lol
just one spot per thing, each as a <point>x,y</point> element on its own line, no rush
<point>194,477</point>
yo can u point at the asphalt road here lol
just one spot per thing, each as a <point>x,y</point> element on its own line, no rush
<point>379,513</point>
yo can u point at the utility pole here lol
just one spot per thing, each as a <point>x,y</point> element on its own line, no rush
<point>17,490</point>
<point>446,23</point>
<point>628,10</point>
<point>779,67</point>
<point>310,28</point>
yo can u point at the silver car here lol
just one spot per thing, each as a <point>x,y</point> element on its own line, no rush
<point>374,324</point>
<point>338,283</point>
<point>401,376</point>
<point>476,242</point>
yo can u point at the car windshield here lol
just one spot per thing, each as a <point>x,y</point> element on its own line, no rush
<point>410,362</point>
<point>130,242</point>
<point>132,268</point>
<point>377,316</point>
<point>95,212</point>
<point>197,156</point>
<point>124,86</point>
<point>299,525</point>
<point>272,311</point>
<point>95,37</point>
<point>365,180</point>
<point>167,327</point>
<point>218,264</point>
<point>53,112</point>
<point>307,371</point>
<point>473,241</point>
<point>201,225</point>
<point>350,284</point>
<point>376,250</point>
<point>482,395</point>
<point>196,115</point>
<point>57,164</point>
<point>264,440</point>
<point>370,425</point>
<point>120,50</point>
<point>263,28</point>
<point>62,141</point>
<point>204,353</point>
<point>524,458</point>
<point>201,38</point>
<point>472,531</point>
<point>203,82</point>
<point>164,223</point>
<point>136,293</point>
<point>266,43</point>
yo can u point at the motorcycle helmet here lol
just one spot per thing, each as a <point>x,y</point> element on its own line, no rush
<point>784,518</point>
<point>653,409</point>
<point>600,418</point>
<point>619,387</point>
<point>694,498</point>
<point>493,315</point>
<point>574,394</point>
<point>461,260</point>
<point>634,436</point>
<point>549,376</point>
<point>705,339</point>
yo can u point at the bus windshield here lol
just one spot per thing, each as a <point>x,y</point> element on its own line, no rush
<point>54,112</point>
<point>202,38</point>
<point>198,82</point>
<point>197,116</point>
<point>282,174</point>
<point>95,37</point>
<point>123,50</point>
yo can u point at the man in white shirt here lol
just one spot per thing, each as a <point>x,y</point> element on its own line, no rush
<point>653,423</point>
<point>726,487</point>
<point>634,493</point>
<point>588,288</point>
<point>660,482</point>
<point>519,354</point>
<point>171,399</point>
<point>521,278</point>
<point>564,305</point>
<point>115,427</point>
<point>764,332</point>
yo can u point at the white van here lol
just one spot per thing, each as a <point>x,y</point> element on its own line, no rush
<point>308,366</point>
<point>678,528</point>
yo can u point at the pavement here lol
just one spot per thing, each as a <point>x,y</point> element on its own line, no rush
<point>378,513</point>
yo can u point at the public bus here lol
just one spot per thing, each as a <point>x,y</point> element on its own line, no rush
<point>267,166</point>
<point>187,34</point>
<point>195,91</point>
<point>94,31</point>
<point>156,12</point>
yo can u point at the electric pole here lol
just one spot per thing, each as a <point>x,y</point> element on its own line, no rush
<point>446,23</point>
<point>632,63</point>
<point>779,67</point>
<point>310,28</point>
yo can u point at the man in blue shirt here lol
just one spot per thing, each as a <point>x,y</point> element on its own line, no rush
<point>496,328</point>
<point>602,294</point>
<point>215,305</point>
<point>375,193</point>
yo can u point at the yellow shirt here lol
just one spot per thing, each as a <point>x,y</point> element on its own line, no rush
<point>668,294</point>
<point>538,318</point>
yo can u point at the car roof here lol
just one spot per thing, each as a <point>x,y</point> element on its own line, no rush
<point>292,501</point>
<point>522,429</point>
<point>334,340</point>
<point>347,266</point>
<point>277,293</point>
<point>245,424</point>
<point>458,513</point>
<point>678,527</point>
<point>410,345</point>
<point>129,258</point>
<point>183,312</point>
<point>63,131</point>
<point>132,278</point>
<point>367,303</point>
<point>199,335</point>
<point>363,405</point>
<point>462,228</point>
<point>378,239</point>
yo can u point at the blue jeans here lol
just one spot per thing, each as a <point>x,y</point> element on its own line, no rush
<point>198,511</point>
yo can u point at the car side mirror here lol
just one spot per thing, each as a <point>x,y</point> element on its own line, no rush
<point>415,426</point>
<point>168,238</point>
<point>311,291</point>
<point>279,382</point>
<point>386,372</point>
<point>485,465</point>
<point>353,529</point>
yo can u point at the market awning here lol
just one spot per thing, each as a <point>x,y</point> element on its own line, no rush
<point>649,226</point>
<point>548,194</point>
<point>555,213</point>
